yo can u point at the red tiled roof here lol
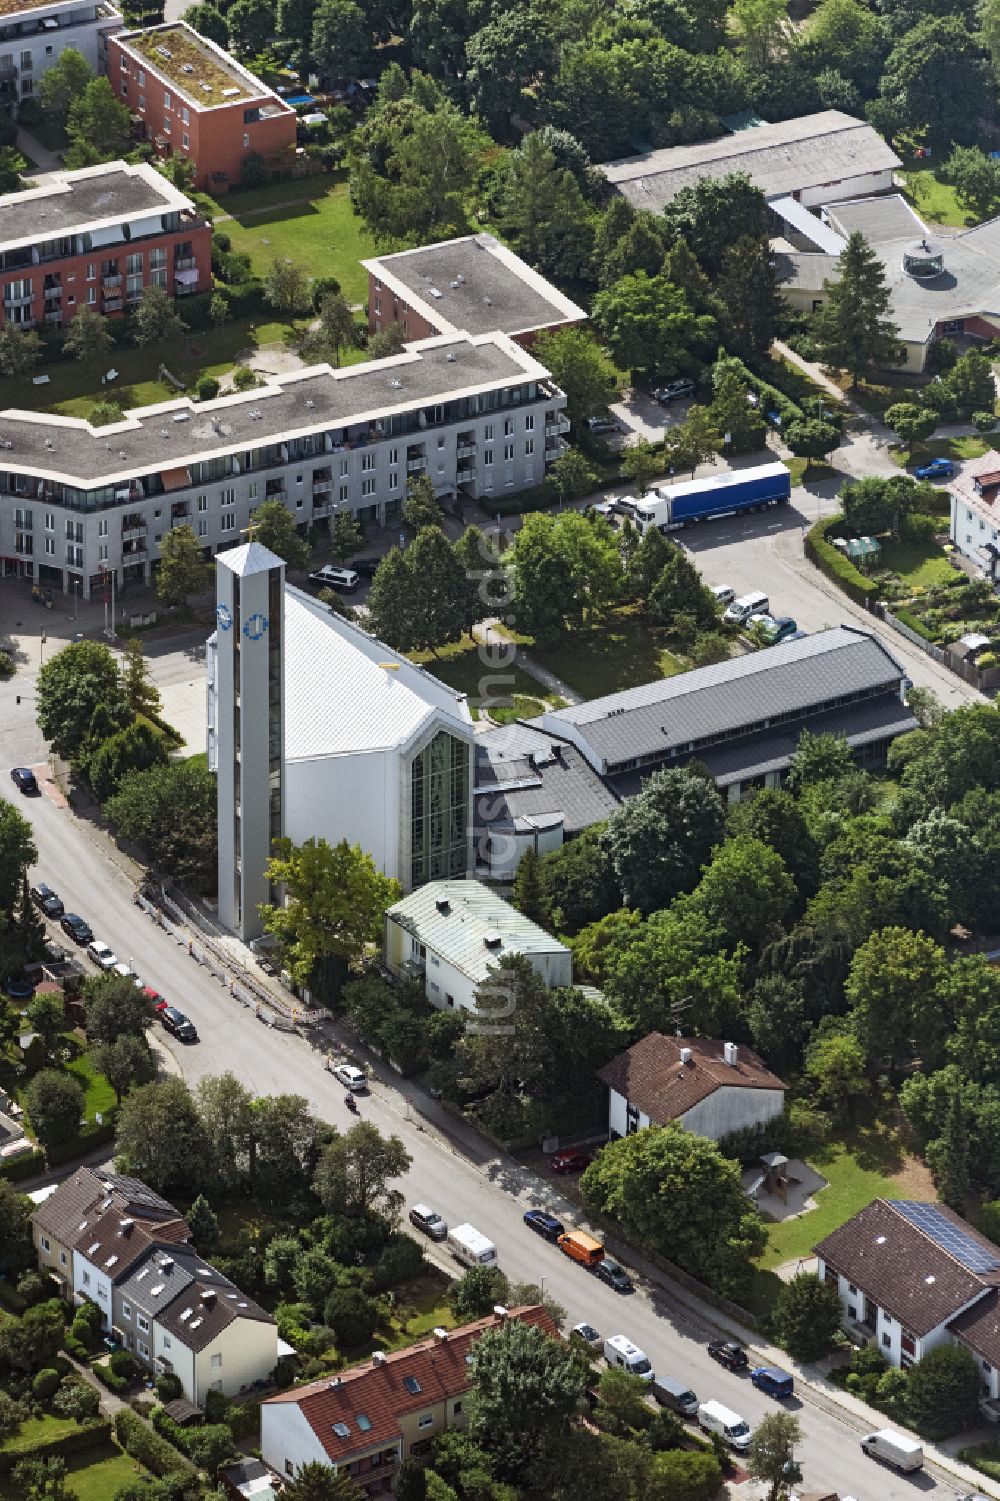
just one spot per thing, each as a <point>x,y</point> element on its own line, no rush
<point>438,1367</point>
<point>651,1075</point>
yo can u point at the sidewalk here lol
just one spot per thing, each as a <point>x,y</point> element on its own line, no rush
<point>534,669</point>
<point>44,159</point>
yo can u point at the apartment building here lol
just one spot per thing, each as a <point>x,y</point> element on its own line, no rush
<point>477,414</point>
<point>96,238</point>
<point>32,36</point>
<point>191,99</point>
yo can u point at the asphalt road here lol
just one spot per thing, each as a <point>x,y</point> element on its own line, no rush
<point>492,1193</point>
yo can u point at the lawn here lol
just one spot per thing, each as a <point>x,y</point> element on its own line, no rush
<point>972,446</point>
<point>416,1317</point>
<point>856,1173</point>
<point>310,221</point>
<point>39,1431</point>
<point>621,653</point>
<point>802,470</point>
<point>932,199</point>
<point>921,564</point>
<point>94,1475</point>
<point>99,1098</point>
<point>508,691</point>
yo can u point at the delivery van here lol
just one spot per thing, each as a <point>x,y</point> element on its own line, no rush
<point>895,1449</point>
<point>582,1248</point>
<point>620,1351</point>
<point>676,1395</point>
<point>714,1418</point>
<point>741,609</point>
<point>469,1246</point>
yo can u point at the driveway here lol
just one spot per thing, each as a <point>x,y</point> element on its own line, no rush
<point>645,418</point>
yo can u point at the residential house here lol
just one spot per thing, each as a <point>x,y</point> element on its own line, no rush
<point>33,36</point>
<point>108,1242</point>
<point>367,1419</point>
<point>710,1088</point>
<point>975,512</point>
<point>911,1276</point>
<point>451,934</point>
<point>212,1336</point>
<point>56,1222</point>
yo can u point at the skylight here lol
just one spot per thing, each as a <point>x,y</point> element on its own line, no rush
<point>341,1430</point>
<point>111,1260</point>
<point>363,1421</point>
<point>412,1385</point>
<point>154,1292</point>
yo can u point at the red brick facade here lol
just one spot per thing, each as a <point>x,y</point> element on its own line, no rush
<point>109,278</point>
<point>385,307</point>
<point>217,140</point>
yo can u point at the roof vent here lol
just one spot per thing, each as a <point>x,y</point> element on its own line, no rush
<point>435,292</point>
<point>685,1055</point>
<point>930,1280</point>
<point>441,1335</point>
<point>730,1053</point>
<point>378,1357</point>
<point>493,941</point>
<point>488,301</point>
<point>125,1226</point>
<point>500,1312</point>
<point>443,905</point>
<point>880,1240</point>
<point>230,93</point>
<point>396,384</point>
<point>310,403</point>
<point>208,1296</point>
<point>455,285</point>
<point>451,358</point>
<point>165,52</point>
<point>333,1385</point>
<point>167,1264</point>
<point>460,279</point>
<point>187,67</point>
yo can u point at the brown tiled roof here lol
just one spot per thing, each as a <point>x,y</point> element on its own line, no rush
<point>651,1075</point>
<point>61,1213</point>
<point>376,1391</point>
<point>903,1269</point>
<point>114,1241</point>
<point>209,1304</point>
<point>979,1327</point>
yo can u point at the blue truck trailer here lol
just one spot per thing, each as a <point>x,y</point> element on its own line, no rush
<point>672,506</point>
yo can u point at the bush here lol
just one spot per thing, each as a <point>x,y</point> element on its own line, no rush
<point>107,1377</point>
<point>399,1261</point>
<point>244,379</point>
<point>352,1315</point>
<point>918,527</point>
<point>915,624</point>
<point>943,1396</point>
<point>254,172</point>
<point>77,1441</point>
<point>206,388</point>
<point>168,1388</point>
<point>147,1447</point>
<point>124,1364</point>
<point>28,1165</point>
<point>829,560</point>
<point>45,1384</point>
<point>221,241</point>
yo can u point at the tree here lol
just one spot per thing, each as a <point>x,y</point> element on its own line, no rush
<point>818,758</point>
<point>943,1393</point>
<point>294,26</point>
<point>659,840</point>
<point>540,204</point>
<point>218,309</point>
<point>20,350</point>
<point>182,571</point>
<point>749,292</point>
<point>852,329</point>
<point>17,852</point>
<point>78,680</point>
<point>572,476</point>
<point>155,319</point>
<point>335,329</point>
<point>890,987</point>
<point>580,368</point>
<point>99,125</point>
<point>346,535</point>
<point>46,1015</point>
<point>811,439</point>
<point>43,1480</point>
<point>420,508</point>
<point>969,384</point>
<point>694,441</point>
<point>251,25</point>
<point>209,22</point>
<point>136,748</point>
<point>911,422</point>
<point>411,1481</point>
<point>171,812</point>
<point>678,590</point>
<point>648,326</point>
<point>807,1316</point>
<point>565,571</point>
<point>16,1251</point>
<point>435,603</point>
<point>12,166</point>
<point>141,693</point>
<point>976,180</point>
<point>125,1063</point>
<point>835,1069</point>
<point>13,1414</point>
<point>62,83</point>
<point>31,1342</point>
<point>317,1481</point>
<point>715,213</point>
<point>622,1401</point>
<point>529,891</point>
<point>54,1102</point>
<point>341,39</point>
<point>387,602</point>
<point>78,1400</point>
<point>505,56</point>
<point>745,891</point>
<point>159,1137</point>
<point>936,81</point>
<point>274,528</point>
<point>772,1449</point>
<point>741,425</point>
<point>640,462</point>
<point>525,1389</point>
<point>677,1193</point>
<point>952,1159</point>
<point>581,880</point>
<point>104,413</point>
<point>285,286</point>
<point>477,1292</point>
<point>335,901</point>
<point>386,343</point>
<point>356,1169</point>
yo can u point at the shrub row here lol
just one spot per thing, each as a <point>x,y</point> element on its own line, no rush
<point>28,1165</point>
<point>92,1135</point>
<point>146,1446</point>
<point>107,1377</point>
<point>829,560</point>
<point>76,1442</point>
<point>915,624</point>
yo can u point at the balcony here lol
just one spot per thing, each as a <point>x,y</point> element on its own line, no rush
<point>53,294</point>
<point>134,552</point>
<point>274,489</point>
<point>112,304</point>
<point>466,450</point>
<point>55,316</point>
<point>414,466</point>
<point>554,429</point>
<point>133,529</point>
<point>322,481</point>
<point>17,299</point>
<point>554,447</point>
<point>112,279</point>
<point>185,263</point>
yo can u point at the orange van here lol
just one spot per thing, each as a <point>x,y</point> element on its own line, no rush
<point>581,1247</point>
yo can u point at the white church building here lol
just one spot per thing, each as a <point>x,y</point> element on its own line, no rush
<point>317,730</point>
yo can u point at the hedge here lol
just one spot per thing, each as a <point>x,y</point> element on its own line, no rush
<point>915,624</point>
<point>85,1141</point>
<point>78,1441</point>
<point>147,1447</point>
<point>28,1165</point>
<point>107,1377</point>
<point>829,560</point>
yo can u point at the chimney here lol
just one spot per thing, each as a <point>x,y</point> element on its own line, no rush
<point>730,1053</point>
<point>378,1357</point>
<point>125,1227</point>
<point>500,1313</point>
<point>441,1335</point>
<point>685,1055</point>
<point>167,1264</point>
<point>208,1296</point>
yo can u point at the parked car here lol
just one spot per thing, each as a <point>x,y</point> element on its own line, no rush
<point>729,1353</point>
<point>155,999</point>
<point>673,391</point>
<point>46,900</point>
<point>620,1351</point>
<point>128,973</point>
<point>177,1024</point>
<point>341,580</point>
<point>76,928</point>
<point>614,1275</point>
<point>607,424</point>
<point>939,468</point>
<point>769,1379</point>
<point>104,957</point>
<point>429,1221</point>
<point>670,1392</point>
<point>735,1430</point>
<point>723,593</point>
<point>544,1224</point>
<point>24,780</point>
<point>572,1160</point>
<point>353,1078</point>
<point>586,1334</point>
<point>775,628</point>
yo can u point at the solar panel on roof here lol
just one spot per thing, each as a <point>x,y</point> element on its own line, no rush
<point>952,1238</point>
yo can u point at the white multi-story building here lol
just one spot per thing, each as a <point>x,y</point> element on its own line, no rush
<point>32,36</point>
<point>475,413</point>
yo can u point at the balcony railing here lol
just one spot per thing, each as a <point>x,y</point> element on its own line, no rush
<point>112,304</point>
<point>466,450</point>
<point>413,465</point>
<point>553,429</point>
<point>111,280</point>
<point>17,299</point>
<point>185,263</point>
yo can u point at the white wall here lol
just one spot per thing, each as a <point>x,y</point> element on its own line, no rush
<point>618,1114</point>
<point>969,531</point>
<point>97,1289</point>
<point>246,1351</point>
<point>848,187</point>
<point>286,1438</point>
<point>353,797</point>
<point>500,850</point>
<point>733,1109</point>
<point>180,1357</point>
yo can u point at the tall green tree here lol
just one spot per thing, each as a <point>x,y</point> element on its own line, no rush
<point>852,328</point>
<point>125,1064</point>
<point>648,326</point>
<point>694,441</point>
<point>274,528</point>
<point>943,1391</point>
<point>421,507</point>
<point>641,462</point>
<point>71,685</point>
<point>976,180</point>
<point>526,1388</point>
<point>62,83</point>
<point>54,1102</point>
<point>136,748</point>
<point>335,331</point>
<point>141,693</point>
<point>890,987</point>
<point>659,840</point>
<point>387,604</point>
<point>764,30</point>
<point>17,851</point>
<point>772,1450</point>
<point>159,1137</point>
<point>171,812</point>
<point>20,350</point>
<point>565,571</point>
<point>286,288</point>
<point>745,891</point>
<point>357,1170</point>
<point>155,319</point>
<point>807,1316</point>
<point>542,209</point>
<point>580,368</point>
<point>936,81</point>
<point>88,337</point>
<point>315,1481</point>
<point>435,597</point>
<point>98,124</point>
<point>952,1158</point>
<point>341,40</point>
<point>715,213</point>
<point>182,570</point>
<point>294,25</point>
<point>346,535</point>
<point>504,56</point>
<point>115,1008</point>
<point>209,22</point>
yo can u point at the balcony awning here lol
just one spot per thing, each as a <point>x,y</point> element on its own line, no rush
<point>175,479</point>
<point>188,277</point>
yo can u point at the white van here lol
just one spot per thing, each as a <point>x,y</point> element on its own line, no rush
<point>895,1449</point>
<point>343,580</point>
<point>741,609</point>
<point>620,1351</point>
<point>469,1246</point>
<point>714,1418</point>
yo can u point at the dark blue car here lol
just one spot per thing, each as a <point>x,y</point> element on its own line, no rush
<point>769,1379</point>
<point>939,468</point>
<point>543,1224</point>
